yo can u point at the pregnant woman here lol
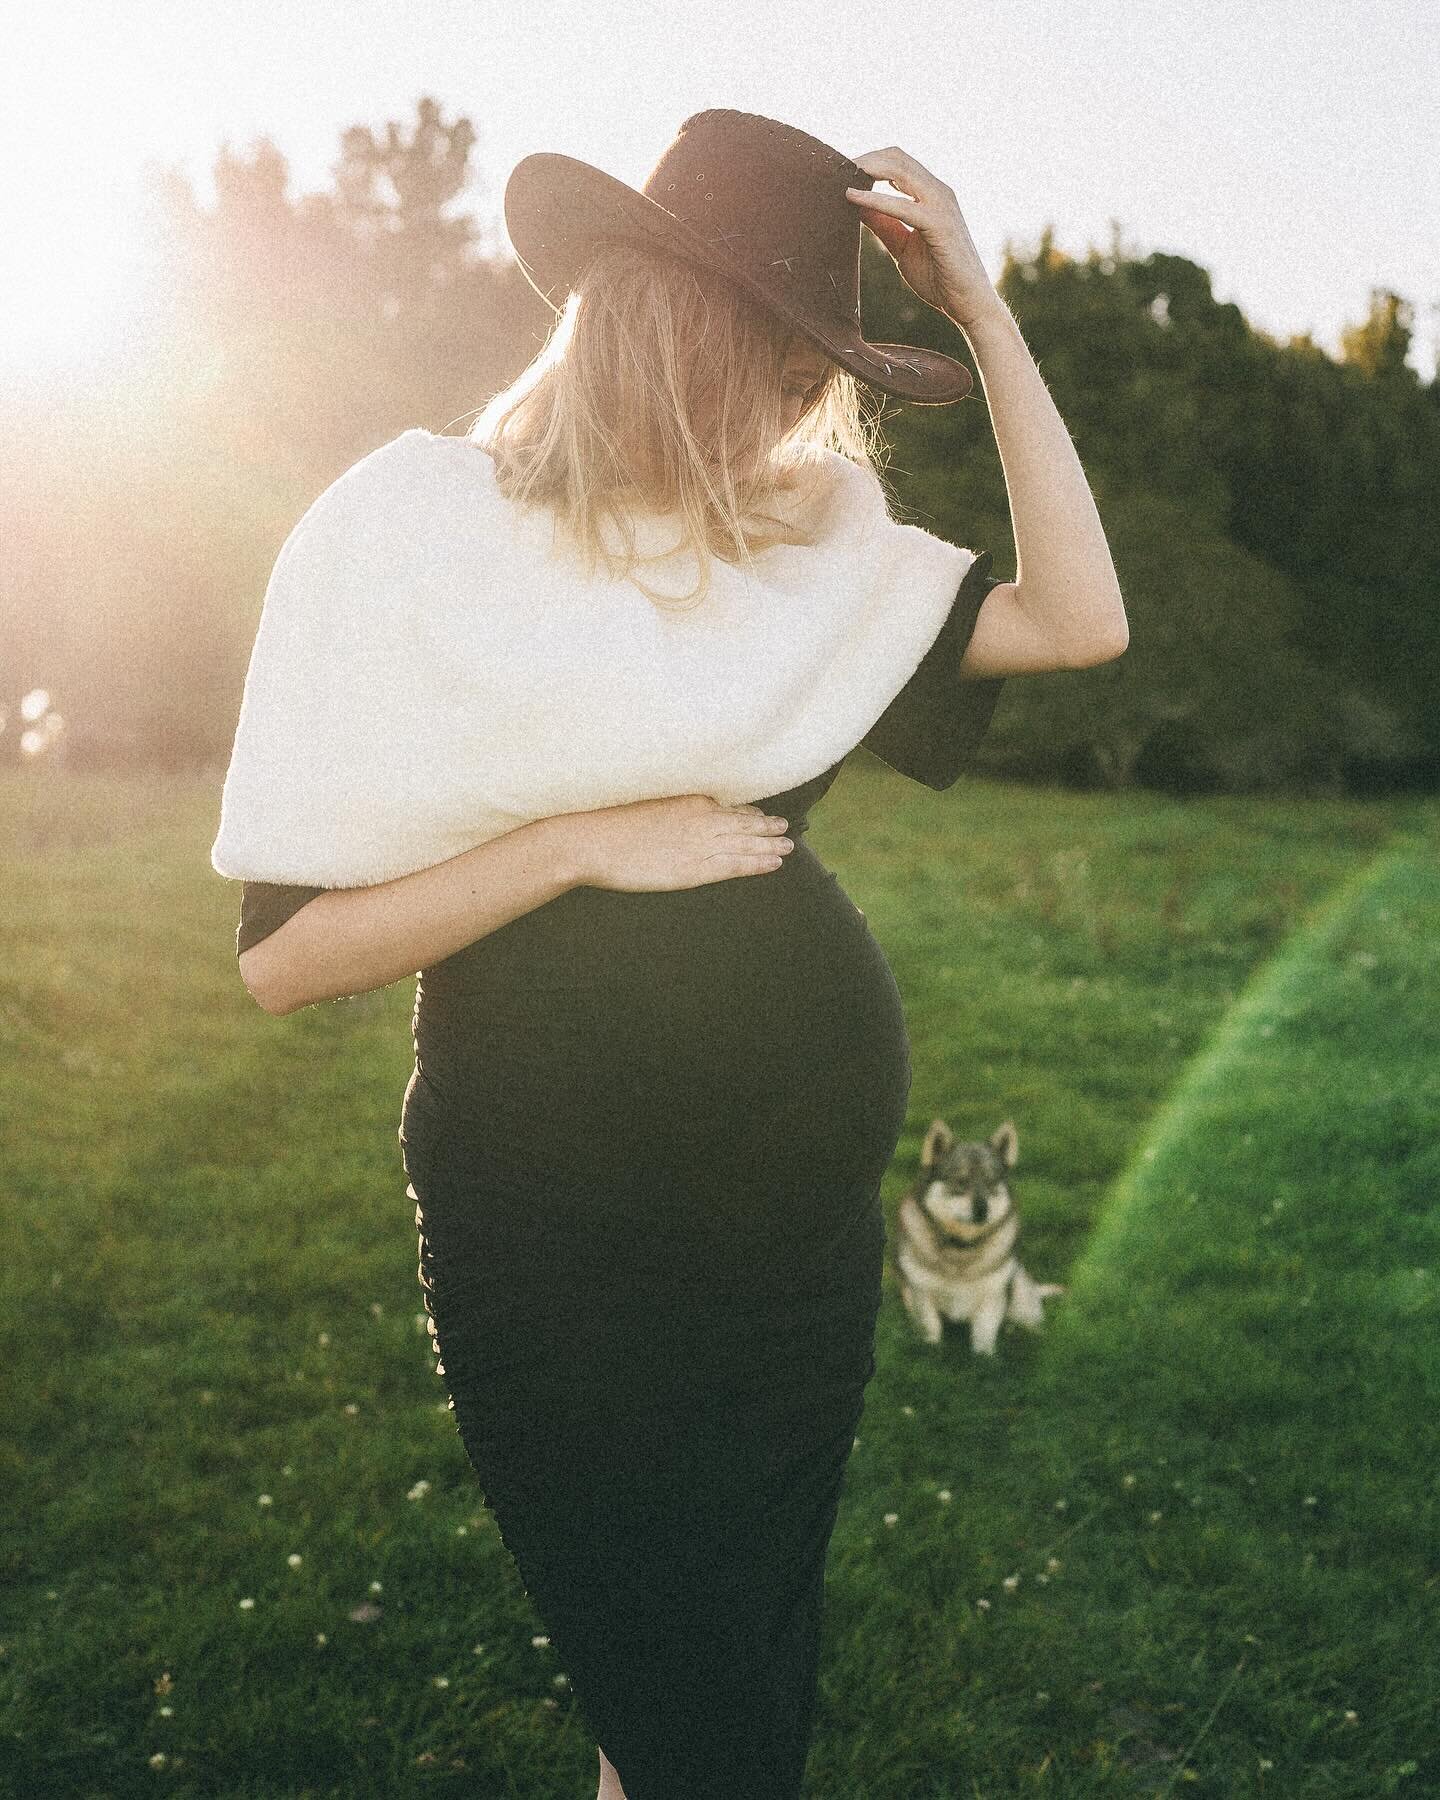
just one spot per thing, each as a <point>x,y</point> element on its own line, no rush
<point>490,733</point>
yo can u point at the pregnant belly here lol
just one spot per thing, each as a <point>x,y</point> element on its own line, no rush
<point>746,1031</point>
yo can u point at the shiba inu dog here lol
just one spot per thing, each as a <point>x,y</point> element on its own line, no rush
<point>955,1248</point>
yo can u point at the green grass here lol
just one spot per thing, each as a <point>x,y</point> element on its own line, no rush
<point>1170,1000</point>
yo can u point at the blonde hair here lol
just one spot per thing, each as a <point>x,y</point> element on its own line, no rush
<point>659,388</point>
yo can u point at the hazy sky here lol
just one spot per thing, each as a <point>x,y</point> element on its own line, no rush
<point>1291,149</point>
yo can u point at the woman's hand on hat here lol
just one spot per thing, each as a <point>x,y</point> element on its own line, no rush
<point>924,230</point>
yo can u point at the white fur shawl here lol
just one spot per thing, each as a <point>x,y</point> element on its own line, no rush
<point>427,674</point>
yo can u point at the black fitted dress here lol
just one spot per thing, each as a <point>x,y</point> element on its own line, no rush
<point>645,1134</point>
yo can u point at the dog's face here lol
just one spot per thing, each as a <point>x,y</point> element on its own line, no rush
<point>963,1187</point>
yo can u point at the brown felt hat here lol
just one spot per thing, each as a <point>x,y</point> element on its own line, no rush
<point>760,202</point>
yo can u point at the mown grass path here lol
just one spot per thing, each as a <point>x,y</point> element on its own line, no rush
<point>1202,1555</point>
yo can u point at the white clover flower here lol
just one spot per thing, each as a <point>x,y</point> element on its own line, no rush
<point>944,1495</point>
<point>441,1680</point>
<point>324,1340</point>
<point>983,1604</point>
<point>264,1500</point>
<point>540,1642</point>
<point>167,1712</point>
<point>909,1411</point>
<point>321,1639</point>
<point>1052,1563</point>
<point>419,1491</point>
<point>462,1531</point>
<point>1156,1516</point>
<point>247,1605</point>
<point>1060,1505</point>
<point>287,1470</point>
<point>561,1680</point>
<point>352,1408</point>
<point>376,1309</point>
<point>1127,1481</point>
<point>375,1588</point>
<point>479,1650</point>
<point>294,1559</point>
<point>158,1760</point>
<point>1010,1583</point>
<point>890,1518</point>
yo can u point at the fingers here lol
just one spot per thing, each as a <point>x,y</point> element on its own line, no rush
<point>762,834</point>
<point>767,866</point>
<point>748,843</point>
<point>765,835</point>
<point>892,233</point>
<point>726,864</point>
<point>897,205</point>
<point>762,847</point>
<point>898,166</point>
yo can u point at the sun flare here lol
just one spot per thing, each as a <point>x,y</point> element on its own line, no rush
<point>72,283</point>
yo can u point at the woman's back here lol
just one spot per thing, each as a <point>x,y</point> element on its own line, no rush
<point>645,1134</point>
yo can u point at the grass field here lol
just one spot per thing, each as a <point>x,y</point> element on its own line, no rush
<point>1182,1542</point>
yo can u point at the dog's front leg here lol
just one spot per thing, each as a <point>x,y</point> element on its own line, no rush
<point>923,1311</point>
<point>986,1321</point>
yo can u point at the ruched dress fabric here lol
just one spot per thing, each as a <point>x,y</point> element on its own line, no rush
<point>645,1135</point>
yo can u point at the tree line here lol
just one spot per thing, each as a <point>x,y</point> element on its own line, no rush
<point>1271,507</point>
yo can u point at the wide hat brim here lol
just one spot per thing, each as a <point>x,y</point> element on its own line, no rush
<point>559,210</point>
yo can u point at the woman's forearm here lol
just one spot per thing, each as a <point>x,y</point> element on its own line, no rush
<point>1065,578</point>
<point>350,940</point>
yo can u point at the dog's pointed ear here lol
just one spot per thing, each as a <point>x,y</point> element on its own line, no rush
<point>938,1140</point>
<point>1006,1143</point>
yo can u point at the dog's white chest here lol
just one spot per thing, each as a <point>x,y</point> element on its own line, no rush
<point>956,1295</point>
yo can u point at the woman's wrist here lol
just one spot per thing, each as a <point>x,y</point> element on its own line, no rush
<point>559,841</point>
<point>981,318</point>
